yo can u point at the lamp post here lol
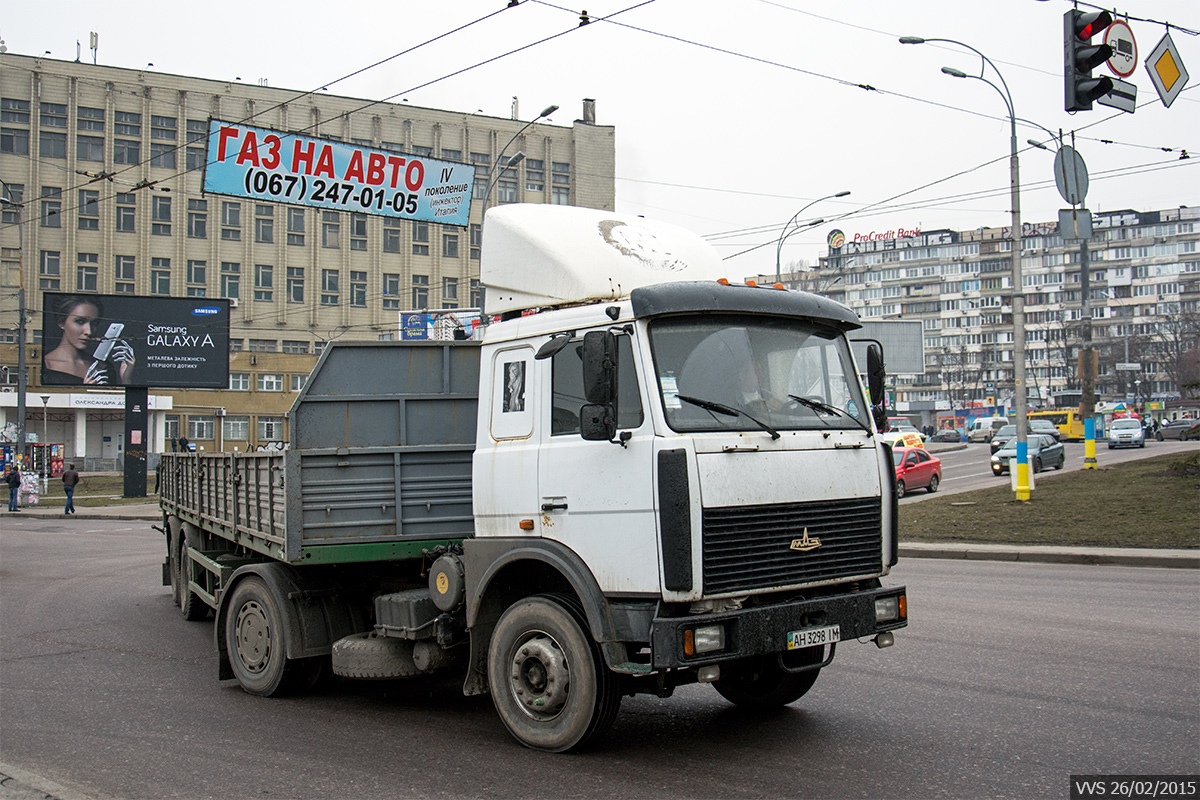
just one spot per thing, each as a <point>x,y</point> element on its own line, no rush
<point>786,233</point>
<point>517,158</point>
<point>1018,297</point>
<point>45,443</point>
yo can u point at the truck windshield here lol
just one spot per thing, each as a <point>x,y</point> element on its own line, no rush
<point>733,372</point>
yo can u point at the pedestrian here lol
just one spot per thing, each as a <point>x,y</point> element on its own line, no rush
<point>13,479</point>
<point>183,444</point>
<point>70,480</point>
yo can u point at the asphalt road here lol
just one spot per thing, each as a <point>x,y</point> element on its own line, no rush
<point>1010,678</point>
<point>970,467</point>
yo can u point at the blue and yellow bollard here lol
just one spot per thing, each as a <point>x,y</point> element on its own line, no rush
<point>1089,443</point>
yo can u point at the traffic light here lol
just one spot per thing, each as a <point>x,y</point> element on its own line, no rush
<point>1081,57</point>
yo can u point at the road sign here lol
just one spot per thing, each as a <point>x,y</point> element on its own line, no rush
<point>1123,96</point>
<point>1167,72</point>
<point>1070,175</point>
<point>1123,366</point>
<point>1074,224</point>
<point>1119,36</point>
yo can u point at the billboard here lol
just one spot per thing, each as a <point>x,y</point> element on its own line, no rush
<point>126,340</point>
<point>459,323</point>
<point>262,164</point>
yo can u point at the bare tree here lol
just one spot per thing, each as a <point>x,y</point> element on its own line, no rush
<point>1175,337</point>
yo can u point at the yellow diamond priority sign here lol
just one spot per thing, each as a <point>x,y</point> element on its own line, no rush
<point>1167,72</point>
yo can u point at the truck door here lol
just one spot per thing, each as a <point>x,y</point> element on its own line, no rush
<point>597,497</point>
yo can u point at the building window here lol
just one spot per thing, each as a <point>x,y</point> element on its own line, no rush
<point>506,186</point>
<point>263,345</point>
<point>420,291</point>
<point>358,289</point>
<point>476,294</point>
<point>197,132</point>
<point>124,272</point>
<point>160,213</point>
<point>391,290</point>
<point>127,151</point>
<point>87,268</point>
<point>160,276</point>
<point>331,229</point>
<point>239,381</point>
<point>50,143</point>
<point>270,429</point>
<point>295,346</point>
<point>90,119</point>
<point>231,278</point>
<point>51,207</point>
<point>476,241</point>
<point>295,285</point>
<point>197,278</point>
<point>451,155</point>
<point>48,270</point>
<point>126,212</point>
<point>449,245</point>
<point>171,427</point>
<point>14,140</point>
<point>231,222</point>
<point>201,429</point>
<point>535,175</point>
<point>295,226</point>
<point>162,154</point>
<point>197,219</point>
<point>268,382</point>
<point>329,287</point>
<point>264,224</point>
<point>420,238</point>
<point>127,123</point>
<point>89,210</point>
<point>89,148</point>
<point>298,382</point>
<point>15,192</point>
<point>235,429</point>
<point>483,163</point>
<point>449,292</point>
<point>163,128</point>
<point>358,231</point>
<point>264,282</point>
<point>391,234</point>
<point>560,183</point>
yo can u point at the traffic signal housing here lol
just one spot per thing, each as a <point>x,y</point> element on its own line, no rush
<point>1081,57</point>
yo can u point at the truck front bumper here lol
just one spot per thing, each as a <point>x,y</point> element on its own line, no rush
<point>764,629</point>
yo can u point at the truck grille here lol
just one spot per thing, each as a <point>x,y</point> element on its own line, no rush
<point>747,547</point>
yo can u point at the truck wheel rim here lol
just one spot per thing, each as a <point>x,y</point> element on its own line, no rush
<point>253,636</point>
<point>539,676</point>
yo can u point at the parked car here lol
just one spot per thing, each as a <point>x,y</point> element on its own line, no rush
<point>1045,426</point>
<point>983,429</point>
<point>1002,435</point>
<point>947,435</point>
<point>1182,429</point>
<point>916,469</point>
<point>1126,433</point>
<point>1043,452</point>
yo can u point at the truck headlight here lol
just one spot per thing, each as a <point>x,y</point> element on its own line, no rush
<point>890,609</point>
<point>705,639</point>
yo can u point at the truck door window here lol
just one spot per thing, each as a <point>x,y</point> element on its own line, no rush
<point>512,396</point>
<point>567,385</point>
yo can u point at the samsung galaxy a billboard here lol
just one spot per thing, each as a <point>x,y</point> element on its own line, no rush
<point>123,340</point>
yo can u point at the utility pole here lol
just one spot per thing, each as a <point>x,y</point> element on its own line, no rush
<point>21,338</point>
<point>1087,364</point>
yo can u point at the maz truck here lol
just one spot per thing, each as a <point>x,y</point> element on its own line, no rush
<point>640,477</point>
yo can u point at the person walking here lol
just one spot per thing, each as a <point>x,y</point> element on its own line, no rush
<point>183,444</point>
<point>70,480</point>
<point>13,479</point>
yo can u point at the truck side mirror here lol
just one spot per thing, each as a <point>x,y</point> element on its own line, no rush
<point>876,377</point>
<point>600,367</point>
<point>598,422</point>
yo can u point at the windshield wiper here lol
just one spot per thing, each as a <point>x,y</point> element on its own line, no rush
<point>709,405</point>
<point>817,405</point>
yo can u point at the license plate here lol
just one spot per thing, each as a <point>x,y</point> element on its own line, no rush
<point>814,637</point>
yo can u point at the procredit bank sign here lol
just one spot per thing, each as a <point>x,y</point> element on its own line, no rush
<point>883,236</point>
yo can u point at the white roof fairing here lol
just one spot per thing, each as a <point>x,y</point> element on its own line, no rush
<point>549,255</point>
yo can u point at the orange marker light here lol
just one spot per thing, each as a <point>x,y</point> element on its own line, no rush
<point>525,525</point>
<point>903,606</point>
<point>689,642</point>
<point>723,281</point>
<point>752,283</point>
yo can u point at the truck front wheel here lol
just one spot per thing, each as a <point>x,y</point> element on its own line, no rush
<point>254,638</point>
<point>548,679</point>
<point>761,683</point>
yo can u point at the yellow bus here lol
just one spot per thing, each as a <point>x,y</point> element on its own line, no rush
<point>1068,421</point>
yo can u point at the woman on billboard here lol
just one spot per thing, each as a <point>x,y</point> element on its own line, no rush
<point>82,356</point>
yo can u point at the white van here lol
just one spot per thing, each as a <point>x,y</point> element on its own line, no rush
<point>984,428</point>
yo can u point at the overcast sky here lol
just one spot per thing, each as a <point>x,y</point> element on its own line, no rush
<point>730,116</point>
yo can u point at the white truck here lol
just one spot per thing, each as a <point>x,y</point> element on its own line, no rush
<point>642,477</point>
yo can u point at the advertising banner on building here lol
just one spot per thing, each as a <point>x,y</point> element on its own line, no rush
<point>458,323</point>
<point>126,340</point>
<point>262,164</point>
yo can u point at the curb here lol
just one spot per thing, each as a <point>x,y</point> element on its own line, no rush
<point>1094,556</point>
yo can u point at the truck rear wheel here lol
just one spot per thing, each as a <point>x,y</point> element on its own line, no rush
<point>194,609</point>
<point>254,637</point>
<point>760,683</point>
<point>548,679</point>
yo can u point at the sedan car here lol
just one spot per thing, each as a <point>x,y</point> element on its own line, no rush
<point>916,469</point>
<point>1043,452</point>
<point>903,436</point>
<point>1126,433</point>
<point>1002,436</point>
<point>1182,429</point>
<point>1045,426</point>
<point>947,435</point>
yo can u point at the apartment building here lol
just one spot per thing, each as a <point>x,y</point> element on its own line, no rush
<point>108,165</point>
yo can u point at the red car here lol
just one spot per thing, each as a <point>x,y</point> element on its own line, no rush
<point>916,469</point>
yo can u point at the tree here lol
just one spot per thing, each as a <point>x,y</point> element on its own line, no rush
<point>1175,338</point>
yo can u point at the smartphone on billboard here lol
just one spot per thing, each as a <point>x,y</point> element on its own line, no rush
<point>106,344</point>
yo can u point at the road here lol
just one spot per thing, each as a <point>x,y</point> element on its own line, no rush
<point>968,469</point>
<point>1010,678</point>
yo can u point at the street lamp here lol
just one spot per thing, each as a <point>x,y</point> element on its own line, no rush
<point>45,444</point>
<point>517,158</point>
<point>786,233</point>
<point>1018,298</point>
